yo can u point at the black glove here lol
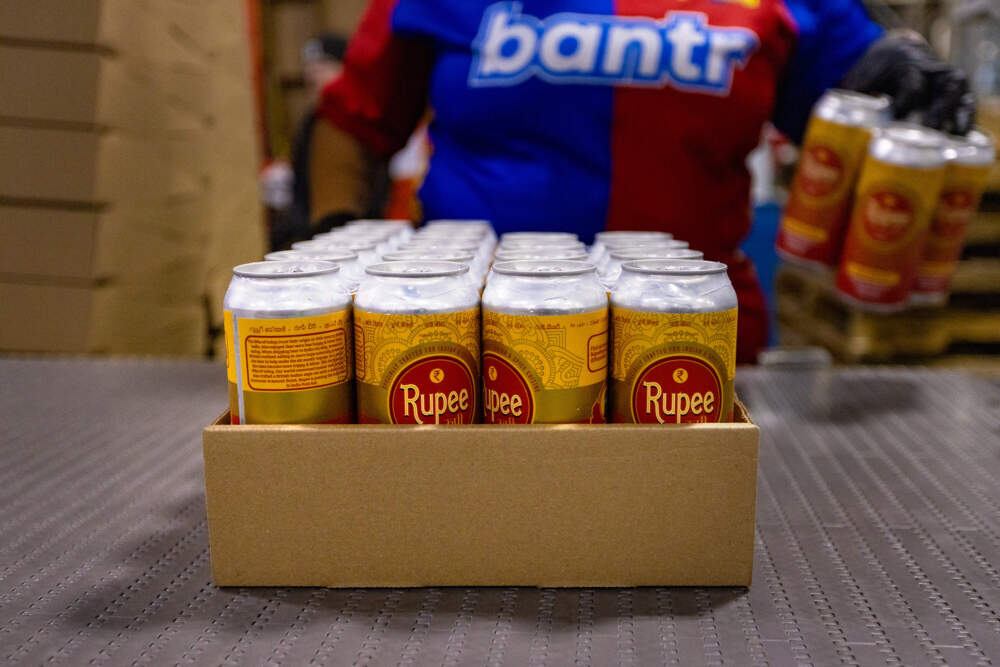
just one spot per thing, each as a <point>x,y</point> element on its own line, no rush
<point>902,65</point>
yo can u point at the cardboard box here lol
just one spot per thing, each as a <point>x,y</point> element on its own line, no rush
<point>93,88</point>
<point>89,167</point>
<point>105,319</point>
<point>168,30</point>
<point>162,246</point>
<point>612,505</point>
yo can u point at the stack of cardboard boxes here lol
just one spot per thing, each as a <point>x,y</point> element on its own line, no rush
<point>128,183</point>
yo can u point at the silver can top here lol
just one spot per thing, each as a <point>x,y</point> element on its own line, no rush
<point>909,144</point>
<point>674,267</point>
<point>976,149</point>
<point>285,269</point>
<point>417,269</point>
<point>442,254</point>
<point>355,244</point>
<point>626,254</point>
<point>330,255</point>
<point>541,268</point>
<point>574,254</point>
<point>846,107</point>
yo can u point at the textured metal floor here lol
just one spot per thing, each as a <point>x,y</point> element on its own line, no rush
<point>878,541</point>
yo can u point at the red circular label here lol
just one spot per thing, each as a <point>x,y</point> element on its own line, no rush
<point>506,397</point>
<point>433,390</point>
<point>887,215</point>
<point>955,210</point>
<point>820,171</point>
<point>677,390</point>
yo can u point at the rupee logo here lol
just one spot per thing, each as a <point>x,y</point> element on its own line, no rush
<point>680,50</point>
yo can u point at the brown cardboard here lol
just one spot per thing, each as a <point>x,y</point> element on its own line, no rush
<point>169,30</point>
<point>104,319</point>
<point>611,505</point>
<point>89,167</point>
<point>163,244</point>
<point>101,89</point>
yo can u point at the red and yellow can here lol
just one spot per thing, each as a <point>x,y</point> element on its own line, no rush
<point>895,197</point>
<point>833,151</point>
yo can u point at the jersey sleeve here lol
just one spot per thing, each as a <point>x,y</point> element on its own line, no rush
<point>832,35</point>
<point>381,95</point>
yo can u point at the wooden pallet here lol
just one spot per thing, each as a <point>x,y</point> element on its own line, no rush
<point>808,306</point>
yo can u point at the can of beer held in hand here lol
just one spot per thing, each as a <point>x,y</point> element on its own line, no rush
<point>545,343</point>
<point>674,343</point>
<point>288,344</point>
<point>833,150</point>
<point>895,197</point>
<point>416,334</point>
<point>970,159</point>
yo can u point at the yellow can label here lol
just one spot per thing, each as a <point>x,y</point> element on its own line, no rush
<point>672,368</point>
<point>417,369</point>
<point>956,206</point>
<point>545,369</point>
<point>290,370</point>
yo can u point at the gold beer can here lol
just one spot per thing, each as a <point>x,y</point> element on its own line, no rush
<point>674,349</point>
<point>416,335</point>
<point>288,344</point>
<point>545,343</point>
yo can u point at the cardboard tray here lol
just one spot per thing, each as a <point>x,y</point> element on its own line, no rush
<point>478,505</point>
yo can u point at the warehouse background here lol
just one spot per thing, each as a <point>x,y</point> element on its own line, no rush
<point>134,133</point>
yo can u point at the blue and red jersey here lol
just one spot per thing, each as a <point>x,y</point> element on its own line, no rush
<point>585,115</point>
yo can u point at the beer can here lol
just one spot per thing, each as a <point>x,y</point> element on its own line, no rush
<point>537,238</point>
<point>350,268</point>
<point>601,239</point>
<point>812,227</point>
<point>612,267</point>
<point>541,252</point>
<point>626,244</point>
<point>534,244</point>
<point>366,250</point>
<point>894,200</point>
<point>416,333</point>
<point>674,343</point>
<point>545,343</point>
<point>483,226</point>
<point>970,159</point>
<point>476,270</point>
<point>288,344</point>
<point>401,230</point>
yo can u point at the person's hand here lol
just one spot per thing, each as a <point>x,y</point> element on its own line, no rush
<point>901,64</point>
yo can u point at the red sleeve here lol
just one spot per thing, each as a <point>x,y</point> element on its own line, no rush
<point>382,93</point>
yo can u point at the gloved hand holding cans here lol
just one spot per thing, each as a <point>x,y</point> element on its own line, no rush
<point>426,349</point>
<point>914,192</point>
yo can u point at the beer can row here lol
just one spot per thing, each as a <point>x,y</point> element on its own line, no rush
<point>421,342</point>
<point>885,204</point>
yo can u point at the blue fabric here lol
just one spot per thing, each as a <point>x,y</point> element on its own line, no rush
<point>833,34</point>
<point>542,160</point>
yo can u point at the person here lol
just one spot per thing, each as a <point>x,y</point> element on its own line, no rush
<point>323,194</point>
<point>637,114</point>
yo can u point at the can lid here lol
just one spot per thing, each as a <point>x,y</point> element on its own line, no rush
<point>285,269</point>
<point>860,100</point>
<point>543,268</point>
<point>457,222</point>
<point>651,244</point>
<point>632,234</point>
<point>674,267</point>
<point>540,252</point>
<point>534,244</point>
<point>655,253</point>
<point>444,243</point>
<point>330,255</point>
<point>443,254</point>
<point>357,245</point>
<point>375,223</point>
<point>975,149</point>
<point>417,269</point>
<point>538,236</point>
